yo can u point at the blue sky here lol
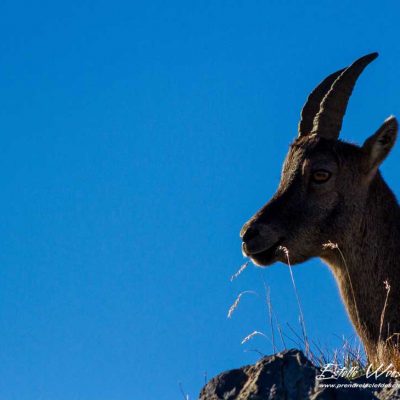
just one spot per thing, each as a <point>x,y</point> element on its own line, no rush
<point>137,138</point>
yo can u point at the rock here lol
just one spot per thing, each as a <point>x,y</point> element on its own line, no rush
<point>290,375</point>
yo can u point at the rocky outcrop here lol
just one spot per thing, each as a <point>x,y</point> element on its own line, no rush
<point>290,375</point>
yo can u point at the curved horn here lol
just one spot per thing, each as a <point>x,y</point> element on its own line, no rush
<point>328,121</point>
<point>311,107</point>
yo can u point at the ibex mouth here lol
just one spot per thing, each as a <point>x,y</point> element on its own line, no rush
<point>264,257</point>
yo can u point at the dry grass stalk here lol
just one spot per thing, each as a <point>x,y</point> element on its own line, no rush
<point>335,246</point>
<point>255,333</point>
<point>241,269</point>
<point>271,322</point>
<point>184,395</point>
<point>270,312</point>
<point>237,301</point>
<point>280,333</point>
<point>387,287</point>
<point>388,349</point>
<point>301,316</point>
<point>255,351</point>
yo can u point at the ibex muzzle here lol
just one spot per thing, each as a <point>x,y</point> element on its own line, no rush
<point>262,235</point>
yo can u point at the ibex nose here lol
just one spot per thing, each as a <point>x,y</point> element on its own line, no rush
<point>250,233</point>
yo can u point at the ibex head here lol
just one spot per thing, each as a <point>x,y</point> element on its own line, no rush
<point>324,182</point>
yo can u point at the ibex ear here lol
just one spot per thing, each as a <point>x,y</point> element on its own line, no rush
<point>378,146</point>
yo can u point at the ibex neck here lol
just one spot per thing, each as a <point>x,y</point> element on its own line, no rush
<point>371,250</point>
<point>376,234</point>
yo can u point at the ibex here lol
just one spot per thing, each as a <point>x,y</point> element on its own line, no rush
<point>332,192</point>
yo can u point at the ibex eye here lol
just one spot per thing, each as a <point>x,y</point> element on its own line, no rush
<point>320,176</point>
